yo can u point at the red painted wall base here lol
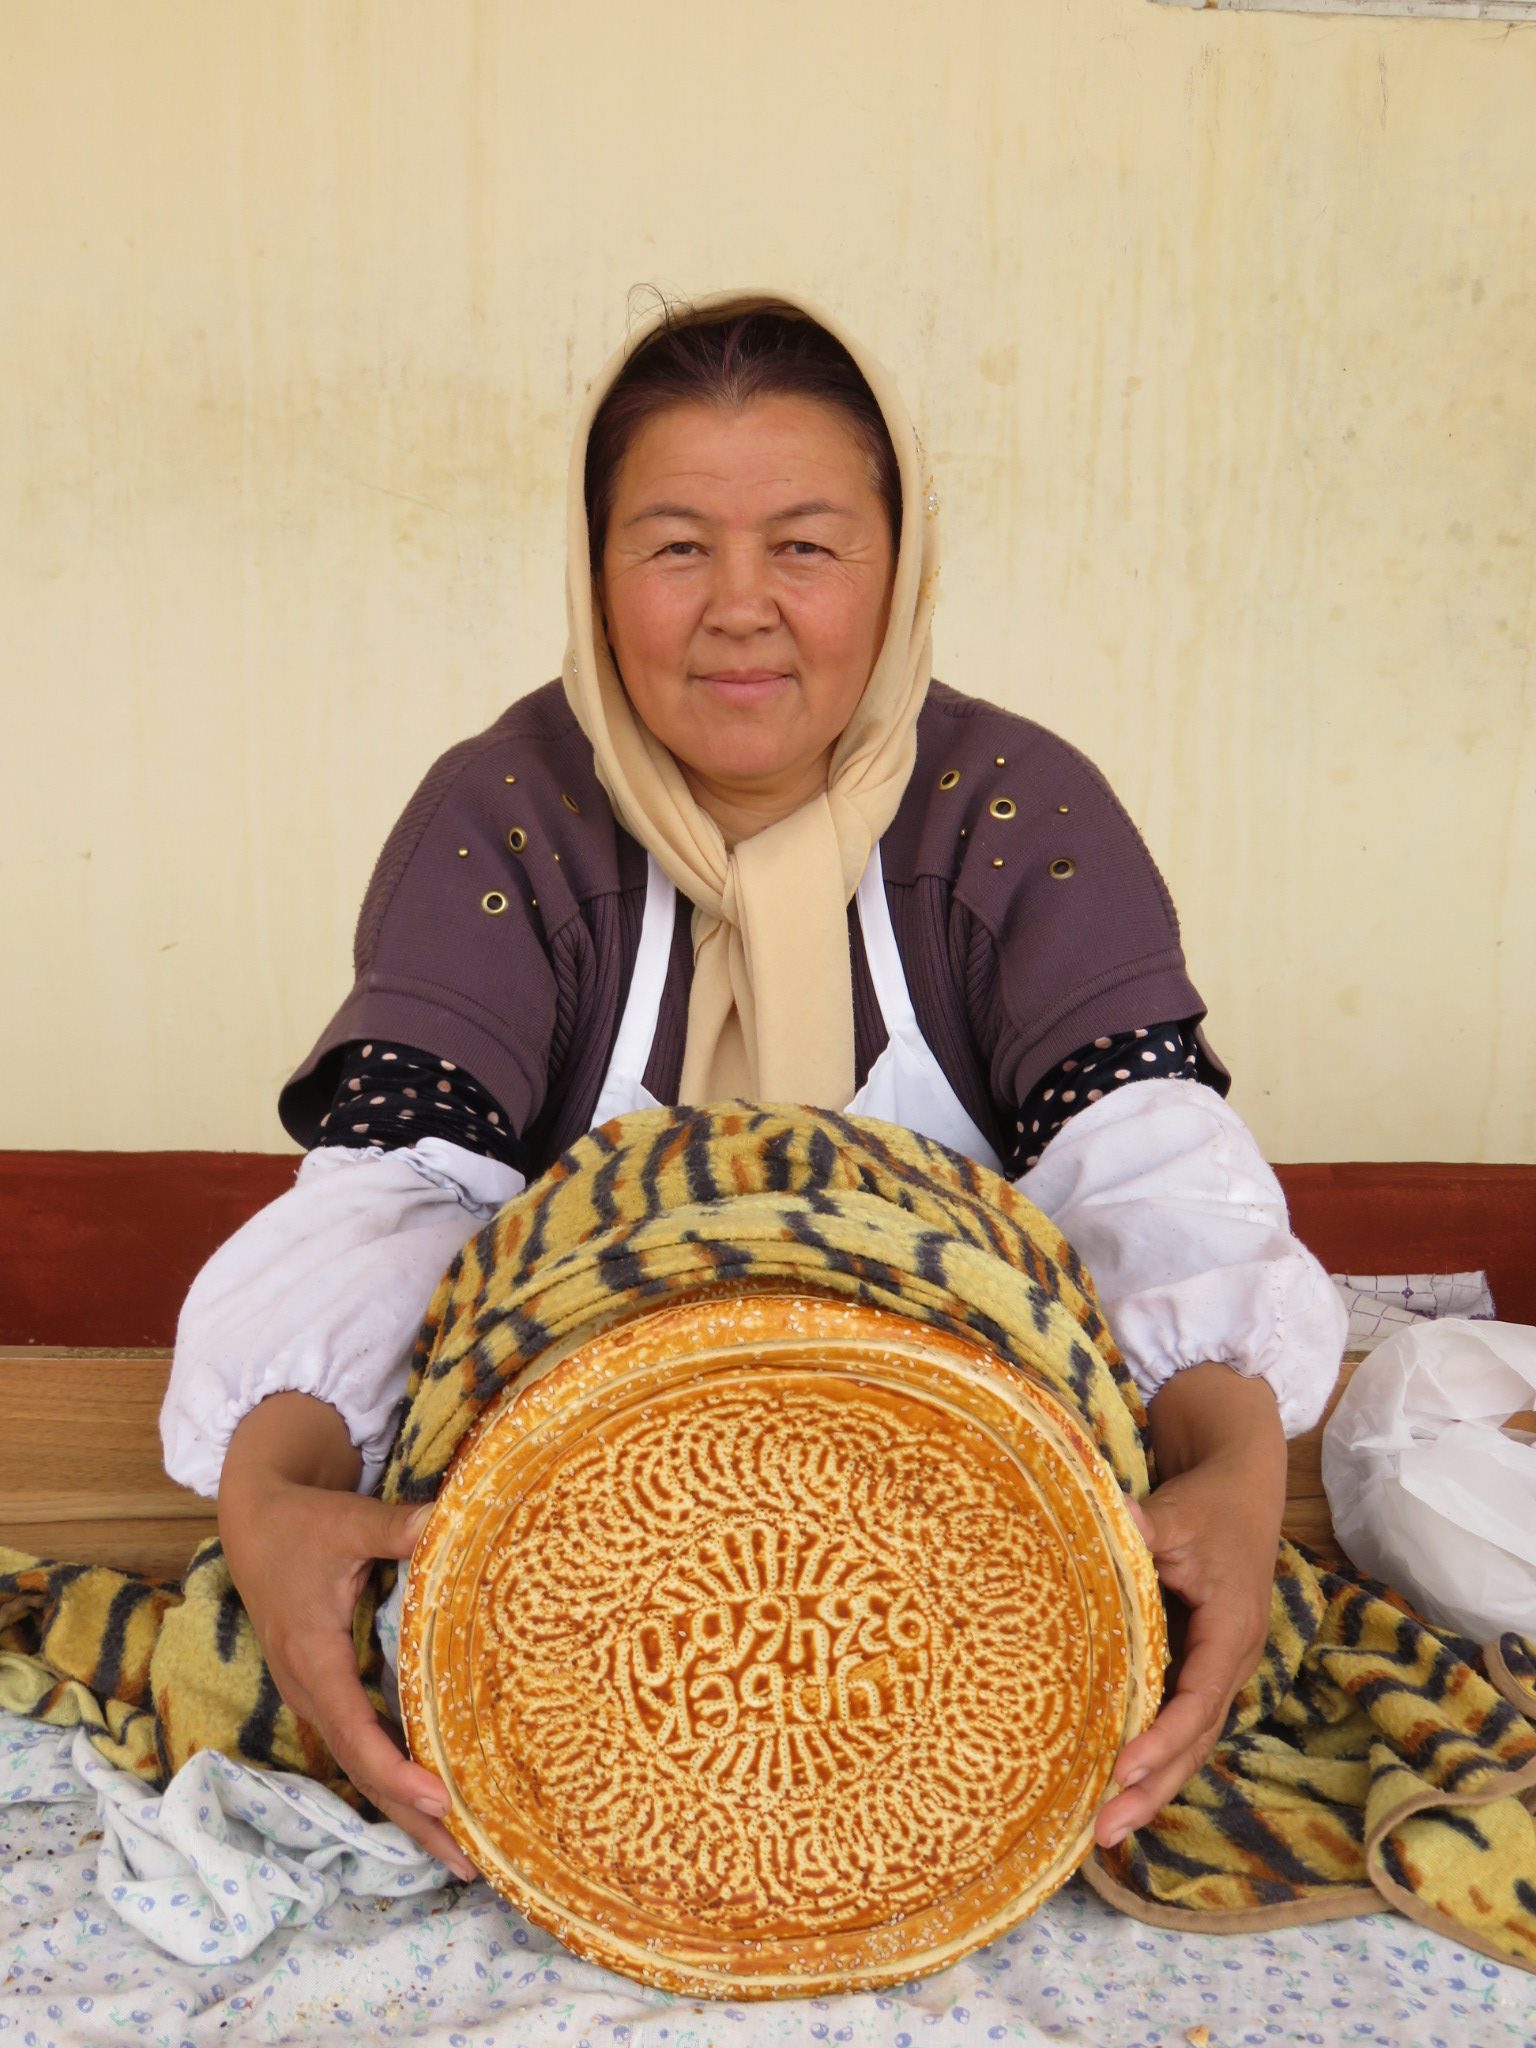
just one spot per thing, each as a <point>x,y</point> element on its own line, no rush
<point>98,1248</point>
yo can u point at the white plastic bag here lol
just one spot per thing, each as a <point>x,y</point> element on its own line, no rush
<point>1427,1490</point>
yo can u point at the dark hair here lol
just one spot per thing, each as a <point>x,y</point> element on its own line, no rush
<point>730,361</point>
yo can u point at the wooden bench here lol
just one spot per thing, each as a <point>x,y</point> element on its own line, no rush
<point>80,1465</point>
<point>98,1249</point>
<point>80,1471</point>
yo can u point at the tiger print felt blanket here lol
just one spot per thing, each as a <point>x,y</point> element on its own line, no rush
<point>1370,1760</point>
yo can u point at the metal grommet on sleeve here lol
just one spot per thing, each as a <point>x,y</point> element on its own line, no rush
<point>517,839</point>
<point>949,778</point>
<point>1062,868</point>
<point>1003,807</point>
<point>493,902</point>
<point>570,802</point>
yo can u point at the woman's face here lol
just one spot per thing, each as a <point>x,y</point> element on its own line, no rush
<point>745,585</point>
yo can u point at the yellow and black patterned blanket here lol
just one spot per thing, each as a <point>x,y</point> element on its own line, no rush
<point>1370,1759</point>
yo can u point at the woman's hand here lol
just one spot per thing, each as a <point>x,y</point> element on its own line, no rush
<point>1212,1527</point>
<point>300,1544</point>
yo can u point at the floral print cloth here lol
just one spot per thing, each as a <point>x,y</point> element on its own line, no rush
<point>352,1954</point>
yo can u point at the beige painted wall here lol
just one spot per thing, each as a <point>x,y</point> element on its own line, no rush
<point>1220,326</point>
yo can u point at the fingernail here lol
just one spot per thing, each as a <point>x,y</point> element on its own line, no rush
<point>433,1805</point>
<point>1131,1776</point>
<point>416,1526</point>
<point>1115,1837</point>
<point>464,1872</point>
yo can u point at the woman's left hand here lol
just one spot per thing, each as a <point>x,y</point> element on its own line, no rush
<point>1212,1527</point>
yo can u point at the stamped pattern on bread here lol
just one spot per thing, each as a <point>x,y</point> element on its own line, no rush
<point>775,1658</point>
<point>773,1649</point>
<point>775,1626</point>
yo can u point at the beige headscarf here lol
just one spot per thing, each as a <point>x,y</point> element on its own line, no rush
<point>771,1013</point>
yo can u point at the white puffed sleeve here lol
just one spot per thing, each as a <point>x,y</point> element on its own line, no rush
<point>323,1292</point>
<point>1161,1190</point>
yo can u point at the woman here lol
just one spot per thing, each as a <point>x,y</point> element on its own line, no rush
<point>745,848</point>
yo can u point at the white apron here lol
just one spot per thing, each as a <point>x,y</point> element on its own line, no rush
<point>906,1085</point>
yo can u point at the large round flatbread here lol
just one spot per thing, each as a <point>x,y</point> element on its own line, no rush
<point>771,1645</point>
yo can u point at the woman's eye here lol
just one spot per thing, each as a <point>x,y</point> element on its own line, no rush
<point>804,548</point>
<point>680,548</point>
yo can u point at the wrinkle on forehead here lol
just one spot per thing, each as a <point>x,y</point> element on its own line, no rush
<point>803,438</point>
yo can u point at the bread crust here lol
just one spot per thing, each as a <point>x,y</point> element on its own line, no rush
<point>772,1645</point>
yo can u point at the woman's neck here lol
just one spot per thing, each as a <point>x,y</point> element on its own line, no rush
<point>740,812</point>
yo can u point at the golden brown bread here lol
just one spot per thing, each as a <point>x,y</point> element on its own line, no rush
<point>771,1644</point>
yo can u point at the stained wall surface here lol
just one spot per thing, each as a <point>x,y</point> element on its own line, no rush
<point>1220,327</point>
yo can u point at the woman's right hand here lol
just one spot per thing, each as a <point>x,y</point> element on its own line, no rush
<point>300,1544</point>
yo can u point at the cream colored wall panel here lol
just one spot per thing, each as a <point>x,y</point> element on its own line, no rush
<point>1219,328</point>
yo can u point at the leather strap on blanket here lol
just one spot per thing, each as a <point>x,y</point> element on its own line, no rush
<point>1370,1760</point>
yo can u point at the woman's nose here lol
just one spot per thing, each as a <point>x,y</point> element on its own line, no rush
<point>741,596</point>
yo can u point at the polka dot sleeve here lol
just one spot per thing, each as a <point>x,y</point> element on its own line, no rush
<point>1165,1052</point>
<point>390,1096</point>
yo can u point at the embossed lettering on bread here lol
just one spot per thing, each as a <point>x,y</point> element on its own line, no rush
<point>771,1644</point>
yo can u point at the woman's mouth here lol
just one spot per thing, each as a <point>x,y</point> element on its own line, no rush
<point>744,685</point>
